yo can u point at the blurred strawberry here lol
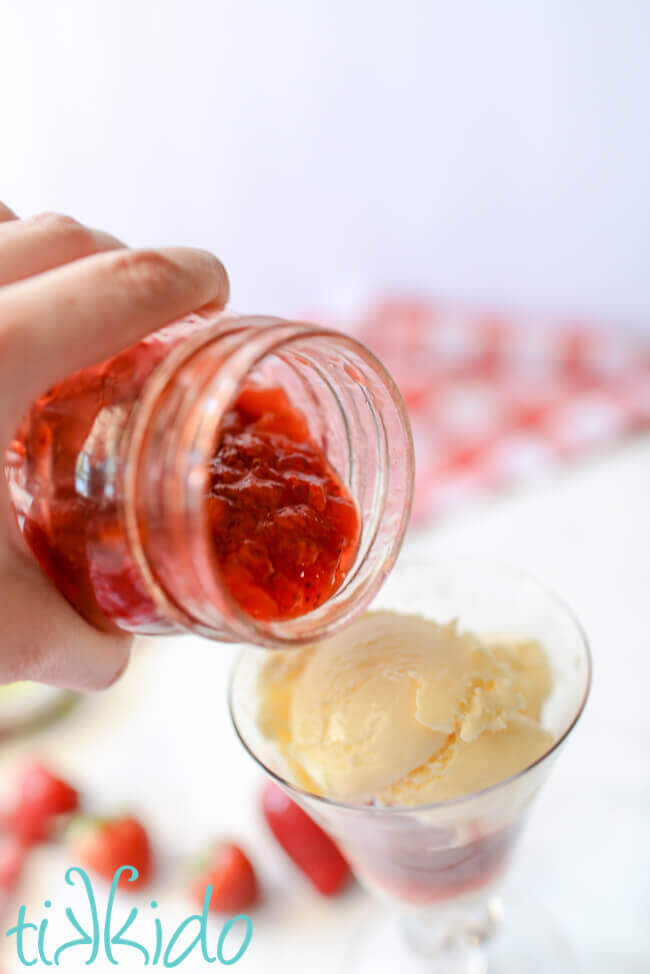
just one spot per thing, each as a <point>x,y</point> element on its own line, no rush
<point>230,873</point>
<point>12,858</point>
<point>304,841</point>
<point>104,845</point>
<point>40,796</point>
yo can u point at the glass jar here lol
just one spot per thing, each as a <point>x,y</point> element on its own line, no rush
<point>108,473</point>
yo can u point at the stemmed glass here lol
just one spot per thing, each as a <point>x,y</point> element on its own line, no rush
<point>439,867</point>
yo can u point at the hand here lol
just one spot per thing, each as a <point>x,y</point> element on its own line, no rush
<point>71,297</point>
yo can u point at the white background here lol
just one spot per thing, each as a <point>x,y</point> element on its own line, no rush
<point>498,150</point>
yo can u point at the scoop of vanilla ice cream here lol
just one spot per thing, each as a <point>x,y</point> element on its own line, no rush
<point>484,761</point>
<point>405,711</point>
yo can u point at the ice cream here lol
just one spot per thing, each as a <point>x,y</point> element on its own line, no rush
<point>401,710</point>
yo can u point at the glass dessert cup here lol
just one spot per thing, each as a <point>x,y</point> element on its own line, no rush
<point>438,868</point>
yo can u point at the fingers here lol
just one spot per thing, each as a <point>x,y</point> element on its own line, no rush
<point>6,214</point>
<point>44,639</point>
<point>74,316</point>
<point>42,242</point>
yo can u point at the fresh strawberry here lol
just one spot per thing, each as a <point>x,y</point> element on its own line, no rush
<point>311,849</point>
<point>12,857</point>
<point>39,798</point>
<point>230,873</point>
<point>103,845</point>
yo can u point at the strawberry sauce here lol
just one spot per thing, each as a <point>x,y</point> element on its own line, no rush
<point>284,528</point>
<point>410,868</point>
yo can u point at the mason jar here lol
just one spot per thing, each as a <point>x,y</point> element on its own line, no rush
<point>109,472</point>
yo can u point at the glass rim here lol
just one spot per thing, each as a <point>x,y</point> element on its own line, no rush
<point>449,802</point>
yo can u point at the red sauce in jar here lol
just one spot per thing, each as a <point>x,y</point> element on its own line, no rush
<point>285,530</point>
<point>68,520</point>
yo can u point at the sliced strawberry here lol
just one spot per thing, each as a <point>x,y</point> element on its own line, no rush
<point>40,797</point>
<point>304,841</point>
<point>232,877</point>
<point>104,845</point>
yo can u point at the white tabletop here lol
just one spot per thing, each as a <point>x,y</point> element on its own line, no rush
<point>160,742</point>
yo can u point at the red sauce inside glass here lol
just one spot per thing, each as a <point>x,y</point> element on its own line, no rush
<point>410,867</point>
<point>285,530</point>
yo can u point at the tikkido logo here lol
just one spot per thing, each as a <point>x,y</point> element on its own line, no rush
<point>106,935</point>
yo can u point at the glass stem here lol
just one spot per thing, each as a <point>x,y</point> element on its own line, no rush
<point>449,940</point>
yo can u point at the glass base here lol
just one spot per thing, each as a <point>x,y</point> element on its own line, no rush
<point>527,942</point>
